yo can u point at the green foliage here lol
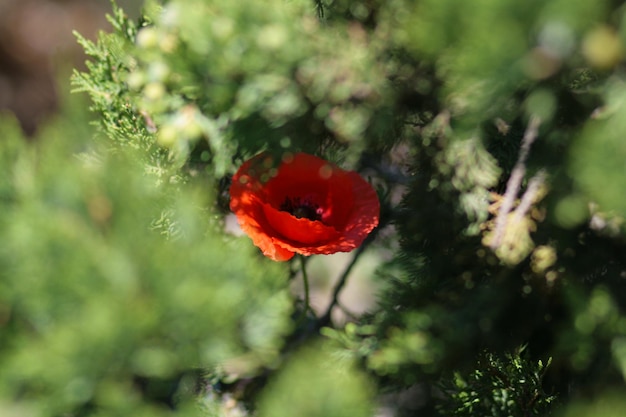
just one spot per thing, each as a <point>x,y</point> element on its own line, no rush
<point>279,81</point>
<point>599,151</point>
<point>338,389</point>
<point>493,131</point>
<point>94,300</point>
<point>122,123</point>
<point>609,404</point>
<point>498,387</point>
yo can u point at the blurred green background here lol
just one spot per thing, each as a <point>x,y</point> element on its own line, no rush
<point>493,132</point>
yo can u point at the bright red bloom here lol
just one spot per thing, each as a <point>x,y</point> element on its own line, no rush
<point>303,205</point>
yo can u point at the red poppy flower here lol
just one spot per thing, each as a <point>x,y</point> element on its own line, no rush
<point>302,205</point>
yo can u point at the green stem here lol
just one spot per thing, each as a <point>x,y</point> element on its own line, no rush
<point>320,9</point>
<point>305,280</point>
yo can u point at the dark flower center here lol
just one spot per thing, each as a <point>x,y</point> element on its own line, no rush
<point>301,208</point>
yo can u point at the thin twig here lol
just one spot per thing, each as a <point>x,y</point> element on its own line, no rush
<point>325,318</point>
<point>347,312</point>
<point>515,180</point>
<point>534,184</point>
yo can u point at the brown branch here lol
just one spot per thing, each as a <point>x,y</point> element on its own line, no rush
<point>515,180</point>
<point>534,185</point>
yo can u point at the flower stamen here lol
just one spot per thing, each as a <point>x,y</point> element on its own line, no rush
<point>302,208</point>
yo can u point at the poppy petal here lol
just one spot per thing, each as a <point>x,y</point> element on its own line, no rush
<point>298,231</point>
<point>307,175</point>
<point>365,215</point>
<point>344,207</point>
<point>250,217</point>
<point>362,221</point>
